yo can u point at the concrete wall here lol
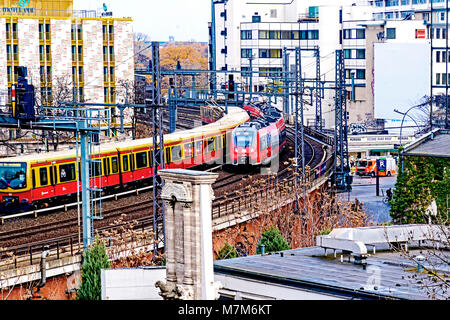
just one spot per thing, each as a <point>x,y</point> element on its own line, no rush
<point>29,48</point>
<point>93,61</point>
<point>61,51</point>
<point>132,284</point>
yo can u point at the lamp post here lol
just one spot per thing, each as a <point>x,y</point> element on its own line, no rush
<point>401,127</point>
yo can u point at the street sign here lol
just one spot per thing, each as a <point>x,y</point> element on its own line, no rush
<point>381,165</point>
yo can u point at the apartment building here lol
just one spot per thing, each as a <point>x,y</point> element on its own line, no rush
<point>71,55</point>
<point>262,29</point>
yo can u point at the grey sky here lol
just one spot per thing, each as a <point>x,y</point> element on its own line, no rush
<point>183,19</point>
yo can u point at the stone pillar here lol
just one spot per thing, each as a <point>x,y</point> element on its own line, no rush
<point>189,254</point>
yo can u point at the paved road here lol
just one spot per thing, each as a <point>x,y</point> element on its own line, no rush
<point>364,189</point>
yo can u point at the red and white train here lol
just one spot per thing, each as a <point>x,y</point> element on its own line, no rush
<point>259,141</point>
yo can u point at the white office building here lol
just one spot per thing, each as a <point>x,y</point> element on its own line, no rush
<point>261,29</point>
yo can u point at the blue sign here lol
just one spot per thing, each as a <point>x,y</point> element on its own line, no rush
<point>381,165</point>
<point>23,3</point>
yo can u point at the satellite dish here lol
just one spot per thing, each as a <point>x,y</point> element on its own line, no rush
<point>105,8</point>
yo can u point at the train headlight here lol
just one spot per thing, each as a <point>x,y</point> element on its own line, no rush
<point>251,150</point>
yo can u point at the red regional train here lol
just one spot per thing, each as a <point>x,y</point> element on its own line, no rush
<point>37,180</point>
<point>260,140</point>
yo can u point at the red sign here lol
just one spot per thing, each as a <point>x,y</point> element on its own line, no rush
<point>420,33</point>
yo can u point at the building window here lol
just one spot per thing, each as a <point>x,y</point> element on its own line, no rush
<point>270,53</point>
<point>438,78</point>
<point>347,33</point>
<point>80,53</point>
<point>360,33</point>
<point>246,53</point>
<point>274,35</point>
<point>256,19</point>
<point>390,33</point>
<point>391,3</point>
<point>41,31</point>
<point>80,74</point>
<point>263,34</point>
<point>270,72</point>
<point>245,72</point>
<point>313,34</point>
<point>360,53</point>
<point>347,53</point>
<point>438,56</point>
<point>263,53</point>
<point>360,74</point>
<point>286,35</point>
<point>246,34</point>
<point>273,13</point>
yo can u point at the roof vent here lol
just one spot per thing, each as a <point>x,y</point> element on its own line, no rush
<point>356,240</point>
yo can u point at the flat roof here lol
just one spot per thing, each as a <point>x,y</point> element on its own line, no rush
<point>386,276</point>
<point>439,146</point>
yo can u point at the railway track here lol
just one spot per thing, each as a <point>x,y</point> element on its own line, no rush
<point>59,224</point>
<point>30,233</point>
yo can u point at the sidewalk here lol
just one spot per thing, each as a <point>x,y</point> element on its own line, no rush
<point>364,189</point>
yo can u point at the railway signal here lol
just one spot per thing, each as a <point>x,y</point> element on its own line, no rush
<point>23,97</point>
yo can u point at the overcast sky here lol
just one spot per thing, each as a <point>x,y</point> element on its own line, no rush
<point>184,19</point>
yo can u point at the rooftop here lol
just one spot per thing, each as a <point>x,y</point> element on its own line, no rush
<point>344,270</point>
<point>387,275</point>
<point>434,144</point>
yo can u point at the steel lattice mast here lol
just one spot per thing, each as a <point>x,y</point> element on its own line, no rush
<point>158,149</point>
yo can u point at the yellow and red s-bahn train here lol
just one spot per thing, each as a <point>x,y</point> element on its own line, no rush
<point>37,180</point>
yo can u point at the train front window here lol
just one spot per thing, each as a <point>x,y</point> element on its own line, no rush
<point>13,175</point>
<point>244,140</point>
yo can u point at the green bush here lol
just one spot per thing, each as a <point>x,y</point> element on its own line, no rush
<point>227,252</point>
<point>273,241</point>
<point>423,180</point>
<point>94,259</point>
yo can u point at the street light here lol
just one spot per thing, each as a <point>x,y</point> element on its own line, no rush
<point>401,127</point>
<point>404,115</point>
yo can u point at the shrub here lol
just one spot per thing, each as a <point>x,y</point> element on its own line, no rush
<point>273,241</point>
<point>227,252</point>
<point>94,259</point>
